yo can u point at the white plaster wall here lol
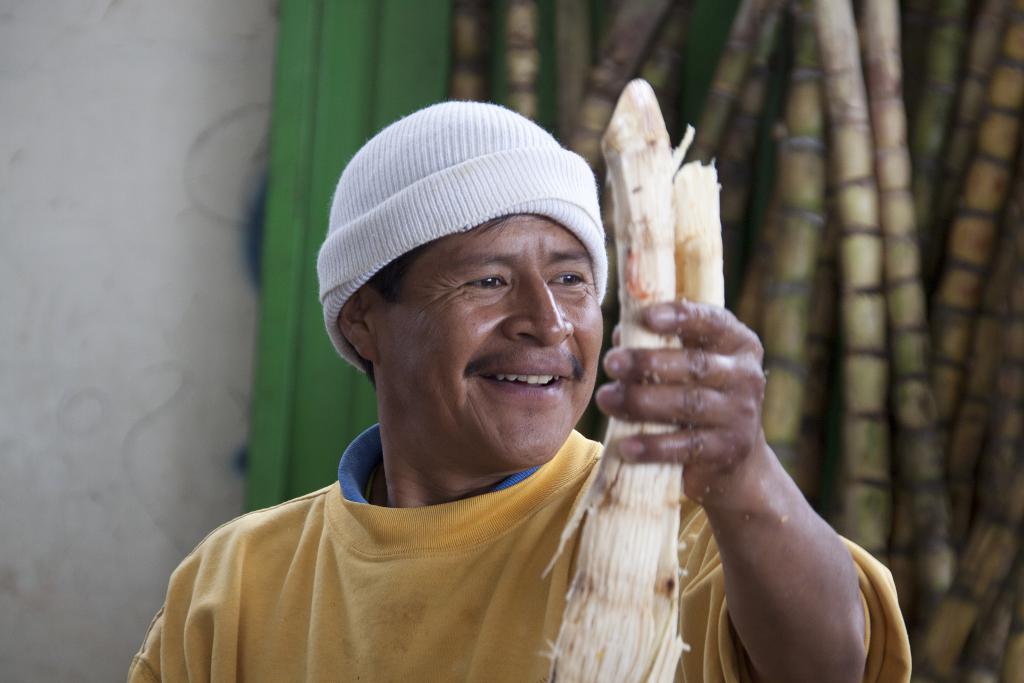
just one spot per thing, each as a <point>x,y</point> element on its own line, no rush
<point>132,137</point>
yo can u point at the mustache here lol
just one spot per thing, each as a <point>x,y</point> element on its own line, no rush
<point>490,361</point>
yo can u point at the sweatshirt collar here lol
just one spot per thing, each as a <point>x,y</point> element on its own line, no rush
<point>365,454</point>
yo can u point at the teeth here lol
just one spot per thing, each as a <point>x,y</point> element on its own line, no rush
<point>527,379</point>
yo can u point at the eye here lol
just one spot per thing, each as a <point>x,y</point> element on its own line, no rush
<point>569,279</point>
<point>490,282</point>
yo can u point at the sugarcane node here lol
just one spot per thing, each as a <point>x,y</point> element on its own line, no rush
<point>1003,164</point>
<point>981,400</point>
<point>941,309</point>
<point>868,415</point>
<point>926,486</point>
<point>897,283</point>
<point>780,364</point>
<point>853,228</point>
<point>966,266</point>
<point>942,87</point>
<point>908,377</point>
<point>815,218</point>
<point>1010,63</point>
<point>900,241</point>
<point>862,290</point>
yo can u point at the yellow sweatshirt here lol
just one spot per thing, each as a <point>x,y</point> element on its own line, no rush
<point>323,589</point>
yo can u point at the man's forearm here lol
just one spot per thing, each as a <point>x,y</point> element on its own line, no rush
<point>791,585</point>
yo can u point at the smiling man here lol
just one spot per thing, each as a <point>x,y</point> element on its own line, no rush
<point>463,271</point>
<point>507,331</point>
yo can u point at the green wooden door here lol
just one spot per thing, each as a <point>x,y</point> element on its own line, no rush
<point>345,68</point>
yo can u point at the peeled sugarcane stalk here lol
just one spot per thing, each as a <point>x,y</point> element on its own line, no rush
<point>867,496</point>
<point>801,219</point>
<point>622,51</point>
<point>625,43</point>
<point>572,34</point>
<point>664,66</point>
<point>621,617</point>
<point>920,464</point>
<point>985,650</point>
<point>970,427</point>
<point>996,536</point>
<point>981,56</point>
<point>469,50</point>
<point>738,145</point>
<point>934,108</point>
<point>821,334</point>
<point>973,233</point>
<point>522,56</point>
<point>729,75</point>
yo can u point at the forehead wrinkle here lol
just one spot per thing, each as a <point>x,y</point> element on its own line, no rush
<point>510,260</point>
<point>577,255</point>
<point>483,252</point>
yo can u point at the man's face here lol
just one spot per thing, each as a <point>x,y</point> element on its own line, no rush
<point>489,356</point>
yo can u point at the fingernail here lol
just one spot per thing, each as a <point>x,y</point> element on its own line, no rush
<point>631,449</point>
<point>661,315</point>
<point>616,361</point>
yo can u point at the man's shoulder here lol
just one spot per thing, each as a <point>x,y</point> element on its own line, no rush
<point>273,529</point>
<point>239,566</point>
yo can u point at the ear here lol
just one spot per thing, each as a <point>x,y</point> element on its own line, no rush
<point>356,322</point>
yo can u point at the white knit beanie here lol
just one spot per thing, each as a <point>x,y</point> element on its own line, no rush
<point>443,170</point>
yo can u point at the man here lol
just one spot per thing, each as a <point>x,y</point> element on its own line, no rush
<point>463,271</point>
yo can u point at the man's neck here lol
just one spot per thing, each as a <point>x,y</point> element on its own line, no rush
<point>410,478</point>
<point>392,491</point>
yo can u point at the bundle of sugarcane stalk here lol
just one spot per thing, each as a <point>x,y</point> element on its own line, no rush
<point>799,221</point>
<point>469,50</point>
<point>872,169</point>
<point>523,60</point>
<point>622,613</point>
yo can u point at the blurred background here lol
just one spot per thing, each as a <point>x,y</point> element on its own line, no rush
<point>165,177</point>
<point>133,149</point>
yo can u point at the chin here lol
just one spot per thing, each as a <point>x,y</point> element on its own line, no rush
<point>532,447</point>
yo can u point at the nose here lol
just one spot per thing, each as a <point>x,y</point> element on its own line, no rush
<point>536,314</point>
